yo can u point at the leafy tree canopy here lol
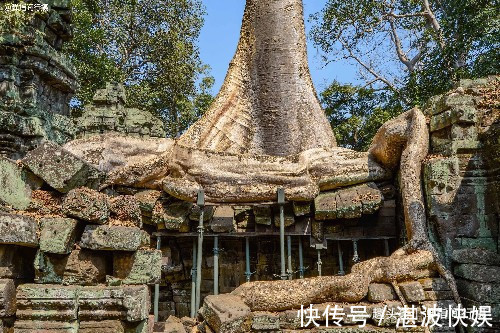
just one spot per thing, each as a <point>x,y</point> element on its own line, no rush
<point>150,45</point>
<point>406,52</point>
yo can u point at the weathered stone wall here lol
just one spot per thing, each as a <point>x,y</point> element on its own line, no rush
<point>462,183</point>
<point>36,80</point>
<point>108,113</point>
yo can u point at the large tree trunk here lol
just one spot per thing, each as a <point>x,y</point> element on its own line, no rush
<point>267,104</point>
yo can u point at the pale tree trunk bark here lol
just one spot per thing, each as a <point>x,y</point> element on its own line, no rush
<point>267,104</point>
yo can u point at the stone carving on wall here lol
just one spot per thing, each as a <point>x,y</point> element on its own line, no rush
<point>108,113</point>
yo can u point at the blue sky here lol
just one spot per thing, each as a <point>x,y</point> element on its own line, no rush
<point>220,34</point>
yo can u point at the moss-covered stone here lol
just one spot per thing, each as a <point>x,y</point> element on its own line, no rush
<point>140,267</point>
<point>172,216</point>
<point>18,230</point>
<point>13,181</point>
<point>115,238</point>
<point>60,169</point>
<point>87,205</point>
<point>57,235</point>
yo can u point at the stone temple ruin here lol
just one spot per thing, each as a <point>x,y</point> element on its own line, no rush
<point>109,113</point>
<point>250,214</point>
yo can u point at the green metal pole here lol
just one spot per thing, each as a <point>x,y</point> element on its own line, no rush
<point>199,257</point>
<point>319,263</point>
<point>341,263</point>
<point>386,246</point>
<point>248,273</point>
<point>157,285</point>
<point>216,265</point>
<point>301,259</point>
<point>193,281</point>
<point>289,257</point>
<point>355,256</point>
<point>281,202</point>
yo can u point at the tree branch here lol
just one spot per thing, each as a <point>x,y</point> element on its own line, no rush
<point>368,68</point>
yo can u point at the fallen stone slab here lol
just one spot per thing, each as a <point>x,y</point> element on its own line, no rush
<point>147,200</point>
<point>113,238</point>
<point>380,292</point>
<point>412,291</point>
<point>87,205</point>
<point>436,284</point>
<point>62,170</point>
<point>479,273</point>
<point>265,321</point>
<point>7,298</point>
<point>47,303</point>
<point>226,313</point>
<point>57,235</point>
<point>126,209</point>
<point>129,303</point>
<point>263,214</point>
<point>172,216</point>
<point>140,267</point>
<point>351,202</point>
<point>223,219</point>
<point>18,230</point>
<point>80,267</point>
<point>13,181</point>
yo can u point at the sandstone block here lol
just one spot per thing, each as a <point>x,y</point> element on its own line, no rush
<point>173,216</point>
<point>57,235</point>
<point>265,321</point>
<point>223,219</point>
<point>476,256</point>
<point>301,208</point>
<point>126,209</point>
<point>436,284</point>
<point>431,295</point>
<point>226,313</point>
<point>87,205</point>
<point>208,213</point>
<point>18,230</point>
<point>263,214</point>
<point>412,291</point>
<point>479,273</point>
<point>115,238</point>
<point>129,303</point>
<point>37,302</point>
<point>80,267</point>
<point>7,298</point>
<point>15,190</point>
<point>479,291</point>
<point>289,217</point>
<point>60,169</point>
<point>104,326</point>
<point>147,200</point>
<point>140,267</point>
<point>348,202</point>
<point>45,326</point>
<point>379,292</point>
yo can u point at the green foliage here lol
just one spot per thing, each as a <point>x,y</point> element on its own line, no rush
<point>150,45</point>
<point>412,49</point>
<point>356,113</point>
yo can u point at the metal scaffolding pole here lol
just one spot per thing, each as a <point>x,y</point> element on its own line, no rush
<point>281,203</point>
<point>301,259</point>
<point>319,263</point>
<point>193,281</point>
<point>216,265</point>
<point>341,262</point>
<point>157,285</point>
<point>386,247</point>
<point>289,257</point>
<point>355,256</point>
<point>248,273</point>
<point>201,204</point>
